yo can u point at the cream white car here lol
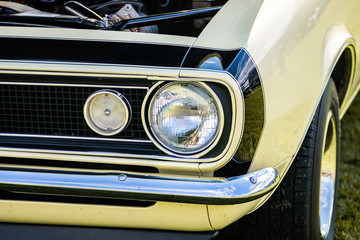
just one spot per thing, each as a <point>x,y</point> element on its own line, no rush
<point>174,119</point>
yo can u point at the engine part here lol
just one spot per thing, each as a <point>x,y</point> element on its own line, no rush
<point>111,7</point>
<point>128,12</point>
<point>77,9</point>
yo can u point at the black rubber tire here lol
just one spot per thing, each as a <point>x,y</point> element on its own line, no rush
<point>292,212</point>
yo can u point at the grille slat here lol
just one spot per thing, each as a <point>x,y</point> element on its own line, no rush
<point>58,111</point>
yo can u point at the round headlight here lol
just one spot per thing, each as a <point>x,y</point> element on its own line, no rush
<point>107,112</point>
<point>185,118</point>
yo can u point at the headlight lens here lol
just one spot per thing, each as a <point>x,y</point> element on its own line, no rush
<point>185,117</point>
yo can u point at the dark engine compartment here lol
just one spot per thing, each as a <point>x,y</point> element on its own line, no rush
<point>176,17</point>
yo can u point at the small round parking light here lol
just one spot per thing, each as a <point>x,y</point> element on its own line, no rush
<point>107,112</point>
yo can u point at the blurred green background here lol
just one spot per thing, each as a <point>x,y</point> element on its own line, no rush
<point>348,206</point>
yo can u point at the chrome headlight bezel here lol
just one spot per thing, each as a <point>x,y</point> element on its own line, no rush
<point>124,104</point>
<point>148,102</point>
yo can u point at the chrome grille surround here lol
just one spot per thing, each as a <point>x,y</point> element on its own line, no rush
<point>141,76</point>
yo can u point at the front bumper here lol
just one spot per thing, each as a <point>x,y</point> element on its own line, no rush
<point>211,191</point>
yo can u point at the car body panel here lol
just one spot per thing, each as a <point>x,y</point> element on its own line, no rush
<point>310,34</point>
<point>231,27</point>
<point>175,216</point>
<point>103,36</point>
<point>304,25</point>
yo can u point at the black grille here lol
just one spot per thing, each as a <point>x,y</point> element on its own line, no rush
<point>58,111</point>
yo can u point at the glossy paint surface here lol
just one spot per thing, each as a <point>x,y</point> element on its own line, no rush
<point>239,64</point>
<point>294,47</point>
<point>295,63</point>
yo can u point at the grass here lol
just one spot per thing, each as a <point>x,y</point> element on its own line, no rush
<point>348,206</point>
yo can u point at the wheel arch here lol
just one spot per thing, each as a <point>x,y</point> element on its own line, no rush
<point>338,61</point>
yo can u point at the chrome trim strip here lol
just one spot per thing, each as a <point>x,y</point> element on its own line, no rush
<point>68,72</point>
<point>213,191</point>
<point>74,155</point>
<point>72,85</point>
<point>79,138</point>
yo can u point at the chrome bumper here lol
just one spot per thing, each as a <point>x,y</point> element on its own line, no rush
<point>213,191</point>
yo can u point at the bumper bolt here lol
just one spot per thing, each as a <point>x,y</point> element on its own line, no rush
<point>122,177</point>
<point>253,180</point>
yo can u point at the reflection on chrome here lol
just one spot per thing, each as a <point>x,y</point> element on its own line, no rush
<point>328,176</point>
<point>214,191</point>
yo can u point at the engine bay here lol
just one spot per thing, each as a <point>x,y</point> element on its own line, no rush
<point>175,17</point>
